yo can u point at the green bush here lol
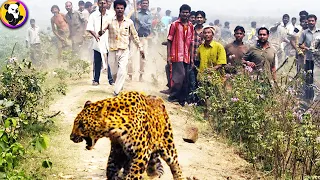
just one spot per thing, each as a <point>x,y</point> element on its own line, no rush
<point>76,67</point>
<point>264,120</point>
<point>23,101</point>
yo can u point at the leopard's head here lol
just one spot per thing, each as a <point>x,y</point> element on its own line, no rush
<point>88,125</point>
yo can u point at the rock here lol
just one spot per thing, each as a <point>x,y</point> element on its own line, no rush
<point>65,176</point>
<point>191,134</point>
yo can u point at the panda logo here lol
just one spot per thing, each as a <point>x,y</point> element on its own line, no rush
<point>13,14</point>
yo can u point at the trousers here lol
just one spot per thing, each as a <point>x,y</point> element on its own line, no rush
<point>118,61</point>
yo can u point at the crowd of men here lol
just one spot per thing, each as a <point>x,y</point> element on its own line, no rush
<point>117,35</point>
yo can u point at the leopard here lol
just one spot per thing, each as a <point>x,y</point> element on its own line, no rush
<point>140,132</point>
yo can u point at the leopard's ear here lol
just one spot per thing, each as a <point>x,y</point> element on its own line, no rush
<point>87,103</point>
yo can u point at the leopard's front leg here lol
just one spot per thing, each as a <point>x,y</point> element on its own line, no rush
<point>117,160</point>
<point>139,157</point>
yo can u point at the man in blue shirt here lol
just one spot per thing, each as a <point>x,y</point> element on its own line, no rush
<point>166,21</point>
<point>143,25</point>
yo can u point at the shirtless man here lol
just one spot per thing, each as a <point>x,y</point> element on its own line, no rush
<point>59,27</point>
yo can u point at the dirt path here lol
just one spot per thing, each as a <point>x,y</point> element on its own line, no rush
<point>206,159</point>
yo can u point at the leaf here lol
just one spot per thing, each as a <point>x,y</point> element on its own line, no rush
<point>4,138</point>
<point>38,146</point>
<point>7,123</point>
<point>44,142</point>
<point>14,122</point>
<point>3,146</point>
<point>1,132</point>
<point>47,164</point>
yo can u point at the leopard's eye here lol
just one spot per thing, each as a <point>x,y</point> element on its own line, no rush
<point>81,125</point>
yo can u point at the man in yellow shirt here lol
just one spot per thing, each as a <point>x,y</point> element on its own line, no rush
<point>212,54</point>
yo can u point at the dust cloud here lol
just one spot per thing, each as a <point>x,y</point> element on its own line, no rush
<point>231,10</point>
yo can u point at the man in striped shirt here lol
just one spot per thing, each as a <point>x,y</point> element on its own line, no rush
<point>180,55</point>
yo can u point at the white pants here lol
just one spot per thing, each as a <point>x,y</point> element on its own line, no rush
<point>135,57</point>
<point>118,61</point>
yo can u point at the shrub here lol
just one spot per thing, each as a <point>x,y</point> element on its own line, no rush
<point>265,120</point>
<point>23,101</point>
<point>75,66</point>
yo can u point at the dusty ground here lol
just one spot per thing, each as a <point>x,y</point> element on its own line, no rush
<point>208,158</point>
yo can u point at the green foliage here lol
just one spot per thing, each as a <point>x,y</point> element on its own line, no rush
<point>23,100</point>
<point>62,74</point>
<point>11,150</point>
<point>22,84</point>
<point>264,120</point>
<point>76,67</point>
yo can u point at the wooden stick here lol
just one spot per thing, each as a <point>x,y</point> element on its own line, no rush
<point>135,11</point>
<point>101,22</point>
<point>102,52</point>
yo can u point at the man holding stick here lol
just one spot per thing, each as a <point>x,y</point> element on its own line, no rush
<point>96,21</point>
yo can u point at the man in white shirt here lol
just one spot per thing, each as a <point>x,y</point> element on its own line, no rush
<point>109,9</point>
<point>281,34</point>
<point>100,44</point>
<point>83,12</point>
<point>33,41</point>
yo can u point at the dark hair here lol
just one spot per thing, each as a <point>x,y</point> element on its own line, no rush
<point>303,18</point>
<point>185,7</point>
<point>119,2</point>
<point>32,20</point>
<point>226,23</point>
<point>203,14</point>
<point>239,28</point>
<point>80,3</point>
<point>168,12</point>
<point>143,0</point>
<point>216,22</point>
<point>312,16</point>
<point>55,6</point>
<point>294,18</point>
<point>286,15</point>
<point>303,13</point>
<point>253,23</point>
<point>87,4</point>
<point>211,24</point>
<point>192,13</point>
<point>263,28</point>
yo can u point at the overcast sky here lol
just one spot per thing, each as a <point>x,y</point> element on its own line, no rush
<point>232,10</point>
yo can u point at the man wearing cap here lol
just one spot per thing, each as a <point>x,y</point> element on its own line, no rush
<point>212,54</point>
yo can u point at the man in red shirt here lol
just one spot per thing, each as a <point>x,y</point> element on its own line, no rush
<point>180,55</point>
